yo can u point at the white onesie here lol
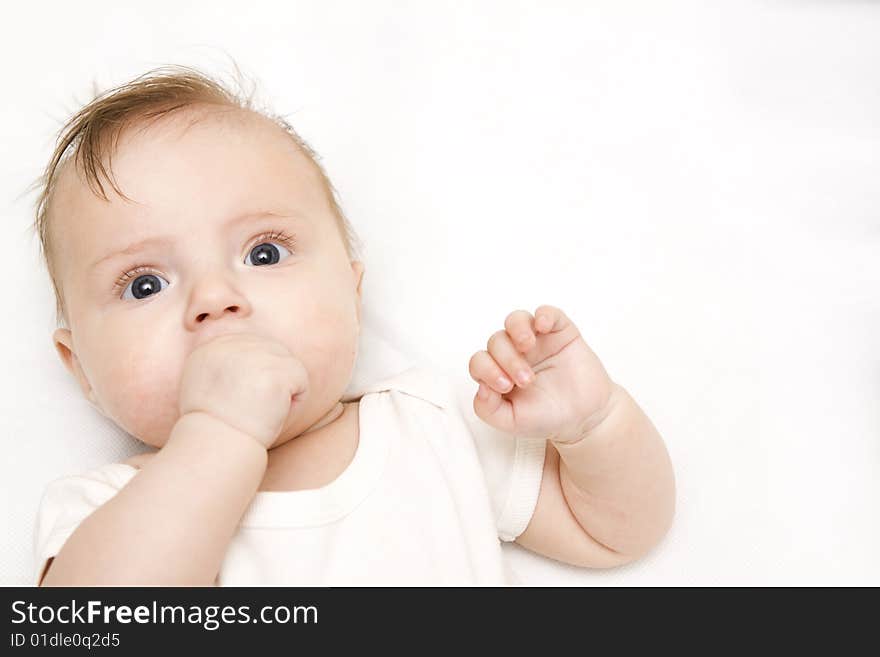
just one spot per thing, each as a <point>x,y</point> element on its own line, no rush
<point>430,494</point>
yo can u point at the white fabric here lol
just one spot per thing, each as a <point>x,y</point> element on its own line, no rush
<point>694,183</point>
<point>429,495</point>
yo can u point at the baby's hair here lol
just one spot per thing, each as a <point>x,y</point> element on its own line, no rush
<point>159,92</point>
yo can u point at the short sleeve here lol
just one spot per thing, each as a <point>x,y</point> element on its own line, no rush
<point>66,502</point>
<point>512,465</point>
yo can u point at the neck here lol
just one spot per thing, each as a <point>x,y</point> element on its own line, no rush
<point>332,415</point>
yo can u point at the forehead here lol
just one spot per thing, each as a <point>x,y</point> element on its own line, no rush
<point>194,164</point>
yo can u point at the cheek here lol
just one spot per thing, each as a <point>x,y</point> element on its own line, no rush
<point>317,312</point>
<point>138,387</point>
<point>323,334</point>
<point>334,329</point>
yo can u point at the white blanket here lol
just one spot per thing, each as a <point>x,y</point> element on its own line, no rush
<point>695,184</point>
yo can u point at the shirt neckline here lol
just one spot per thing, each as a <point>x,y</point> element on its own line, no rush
<point>311,507</point>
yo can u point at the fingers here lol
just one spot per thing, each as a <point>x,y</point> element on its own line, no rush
<point>297,377</point>
<point>502,366</point>
<point>520,328</point>
<point>523,329</point>
<point>548,319</point>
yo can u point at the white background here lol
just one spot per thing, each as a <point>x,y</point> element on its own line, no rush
<point>695,184</point>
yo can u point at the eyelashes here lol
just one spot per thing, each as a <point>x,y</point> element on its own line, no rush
<point>280,236</point>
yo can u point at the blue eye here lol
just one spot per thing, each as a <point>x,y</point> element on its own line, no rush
<point>143,286</point>
<point>265,253</point>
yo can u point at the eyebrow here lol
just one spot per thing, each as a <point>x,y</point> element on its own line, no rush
<point>141,245</point>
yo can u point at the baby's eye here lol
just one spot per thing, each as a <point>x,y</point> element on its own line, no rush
<point>265,253</point>
<point>144,286</point>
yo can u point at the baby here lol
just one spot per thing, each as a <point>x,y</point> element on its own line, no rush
<point>211,307</point>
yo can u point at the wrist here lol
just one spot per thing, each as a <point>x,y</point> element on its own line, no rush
<point>593,423</point>
<point>217,432</point>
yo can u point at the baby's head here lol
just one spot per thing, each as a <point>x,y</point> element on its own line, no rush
<point>219,220</point>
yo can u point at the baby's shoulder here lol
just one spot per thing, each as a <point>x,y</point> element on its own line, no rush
<point>428,381</point>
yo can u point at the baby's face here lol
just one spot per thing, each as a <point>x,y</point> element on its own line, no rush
<point>203,194</point>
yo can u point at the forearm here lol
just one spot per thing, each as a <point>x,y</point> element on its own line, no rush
<point>172,523</point>
<point>618,478</point>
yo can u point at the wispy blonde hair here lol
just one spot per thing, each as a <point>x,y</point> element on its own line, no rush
<point>93,132</point>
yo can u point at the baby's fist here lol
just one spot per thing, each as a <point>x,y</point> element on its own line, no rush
<point>244,380</point>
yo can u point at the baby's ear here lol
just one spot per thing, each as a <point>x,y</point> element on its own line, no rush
<point>64,346</point>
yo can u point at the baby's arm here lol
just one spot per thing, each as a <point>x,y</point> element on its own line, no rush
<point>607,492</point>
<point>616,482</point>
<point>172,523</point>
